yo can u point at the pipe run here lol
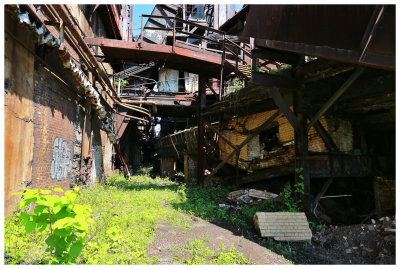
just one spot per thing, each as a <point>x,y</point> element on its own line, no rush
<point>44,37</point>
<point>62,13</point>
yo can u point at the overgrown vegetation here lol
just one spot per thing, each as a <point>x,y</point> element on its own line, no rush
<point>237,84</point>
<point>283,67</point>
<point>138,204</point>
<point>197,251</point>
<point>132,208</point>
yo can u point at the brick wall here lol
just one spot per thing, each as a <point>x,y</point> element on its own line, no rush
<point>238,129</point>
<point>54,132</point>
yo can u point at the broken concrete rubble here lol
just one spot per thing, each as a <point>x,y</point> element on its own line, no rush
<point>247,196</point>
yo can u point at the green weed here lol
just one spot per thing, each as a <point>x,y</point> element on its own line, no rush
<point>197,251</point>
<point>124,239</point>
<point>64,222</point>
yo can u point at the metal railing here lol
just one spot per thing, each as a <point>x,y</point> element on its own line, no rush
<point>223,46</point>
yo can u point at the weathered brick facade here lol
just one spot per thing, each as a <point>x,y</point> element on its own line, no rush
<point>54,132</point>
<point>253,156</point>
<point>44,115</point>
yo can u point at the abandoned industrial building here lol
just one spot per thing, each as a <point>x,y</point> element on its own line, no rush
<point>284,111</point>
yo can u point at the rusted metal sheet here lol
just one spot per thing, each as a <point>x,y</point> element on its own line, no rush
<point>317,30</point>
<point>181,58</point>
<point>18,112</point>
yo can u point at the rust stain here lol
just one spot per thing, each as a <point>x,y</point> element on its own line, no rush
<point>18,133</point>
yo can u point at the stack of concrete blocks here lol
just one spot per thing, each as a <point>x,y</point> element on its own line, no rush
<point>283,226</point>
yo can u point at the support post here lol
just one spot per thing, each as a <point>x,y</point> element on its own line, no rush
<point>121,158</point>
<point>301,149</point>
<point>237,167</point>
<point>124,23</point>
<point>201,102</point>
<point>221,81</point>
<point>141,28</point>
<point>173,36</point>
<point>130,31</point>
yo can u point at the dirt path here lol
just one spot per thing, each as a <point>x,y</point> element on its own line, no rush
<point>168,236</point>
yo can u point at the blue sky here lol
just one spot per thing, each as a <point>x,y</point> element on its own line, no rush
<point>138,10</point>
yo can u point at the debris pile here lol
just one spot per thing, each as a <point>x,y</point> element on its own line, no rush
<point>249,196</point>
<point>374,241</point>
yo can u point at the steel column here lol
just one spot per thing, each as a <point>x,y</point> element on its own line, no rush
<point>201,103</point>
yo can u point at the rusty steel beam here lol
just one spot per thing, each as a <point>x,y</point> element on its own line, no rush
<point>282,105</point>
<point>162,51</point>
<point>371,31</point>
<point>336,96</point>
<point>186,22</point>
<point>62,12</point>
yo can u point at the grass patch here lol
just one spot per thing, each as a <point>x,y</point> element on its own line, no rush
<point>197,251</point>
<point>125,238</point>
<point>140,203</point>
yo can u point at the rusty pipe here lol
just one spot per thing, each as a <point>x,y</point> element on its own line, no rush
<point>135,109</point>
<point>132,117</point>
<point>62,12</point>
<point>82,54</point>
<point>51,11</point>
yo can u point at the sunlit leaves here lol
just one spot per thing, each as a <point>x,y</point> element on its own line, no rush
<point>68,221</point>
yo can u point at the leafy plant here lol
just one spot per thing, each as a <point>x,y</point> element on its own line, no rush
<point>124,83</point>
<point>315,227</point>
<point>67,222</point>
<point>290,201</point>
<point>237,82</point>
